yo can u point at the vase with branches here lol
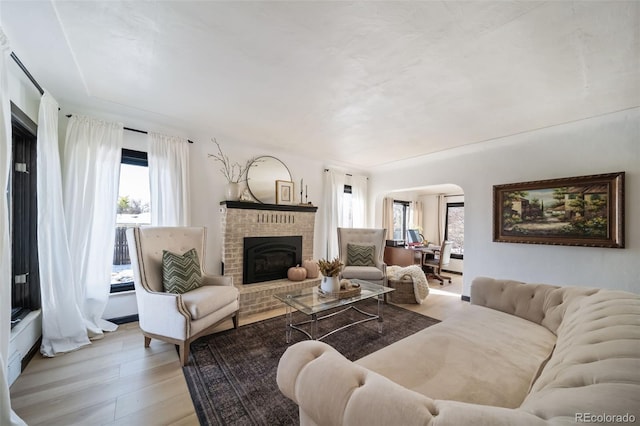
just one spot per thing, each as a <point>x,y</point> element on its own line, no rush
<point>330,268</point>
<point>233,172</point>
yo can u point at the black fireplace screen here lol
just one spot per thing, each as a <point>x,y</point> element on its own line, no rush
<point>269,258</point>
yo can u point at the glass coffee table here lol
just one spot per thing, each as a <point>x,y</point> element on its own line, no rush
<point>313,303</point>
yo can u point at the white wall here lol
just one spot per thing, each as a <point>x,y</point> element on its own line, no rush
<point>604,144</point>
<point>208,187</point>
<point>22,92</point>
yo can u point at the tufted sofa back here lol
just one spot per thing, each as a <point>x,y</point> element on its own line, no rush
<point>543,304</point>
<point>596,360</point>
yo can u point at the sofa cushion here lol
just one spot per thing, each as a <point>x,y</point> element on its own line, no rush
<point>596,363</point>
<point>208,299</point>
<point>477,356</point>
<point>180,273</point>
<point>367,273</point>
<point>359,255</point>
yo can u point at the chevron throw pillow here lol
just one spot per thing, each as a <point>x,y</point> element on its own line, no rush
<point>360,255</point>
<point>180,273</point>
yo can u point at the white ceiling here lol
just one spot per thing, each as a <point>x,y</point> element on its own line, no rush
<point>356,83</point>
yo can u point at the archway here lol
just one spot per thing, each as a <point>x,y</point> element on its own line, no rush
<point>442,217</point>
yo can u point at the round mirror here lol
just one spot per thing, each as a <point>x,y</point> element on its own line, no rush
<point>262,176</point>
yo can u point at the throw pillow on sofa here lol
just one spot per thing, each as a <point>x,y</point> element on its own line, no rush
<point>180,273</point>
<point>358,255</point>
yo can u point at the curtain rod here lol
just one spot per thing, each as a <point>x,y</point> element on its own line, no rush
<point>26,72</point>
<point>347,174</point>
<point>133,130</point>
<point>456,195</point>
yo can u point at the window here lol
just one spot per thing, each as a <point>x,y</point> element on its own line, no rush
<point>133,210</point>
<point>454,229</point>
<point>23,217</point>
<point>347,207</point>
<point>400,219</point>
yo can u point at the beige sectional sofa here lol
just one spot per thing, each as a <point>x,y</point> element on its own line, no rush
<point>519,354</point>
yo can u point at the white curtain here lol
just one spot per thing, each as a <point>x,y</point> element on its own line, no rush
<point>359,201</point>
<point>332,209</point>
<point>91,168</point>
<point>387,216</point>
<point>442,217</point>
<point>169,180</point>
<point>63,329</point>
<point>7,416</point>
<point>416,215</point>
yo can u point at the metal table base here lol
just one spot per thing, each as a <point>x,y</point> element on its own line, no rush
<point>315,318</point>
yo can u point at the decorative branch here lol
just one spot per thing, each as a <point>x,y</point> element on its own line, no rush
<point>233,172</point>
<point>330,268</point>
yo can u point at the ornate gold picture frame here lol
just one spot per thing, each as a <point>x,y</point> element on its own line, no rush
<point>578,211</point>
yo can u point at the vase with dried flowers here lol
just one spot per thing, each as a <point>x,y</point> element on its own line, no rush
<point>233,172</point>
<point>330,271</point>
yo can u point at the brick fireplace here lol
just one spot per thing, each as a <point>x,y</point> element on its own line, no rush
<point>240,220</point>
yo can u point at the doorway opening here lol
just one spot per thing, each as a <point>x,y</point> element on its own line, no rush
<point>435,213</point>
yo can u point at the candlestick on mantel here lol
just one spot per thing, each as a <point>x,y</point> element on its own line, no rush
<point>301,180</point>
<point>306,194</point>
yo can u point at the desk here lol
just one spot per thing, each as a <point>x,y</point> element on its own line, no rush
<point>402,256</point>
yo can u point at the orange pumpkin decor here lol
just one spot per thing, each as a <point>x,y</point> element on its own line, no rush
<point>313,270</point>
<point>296,273</point>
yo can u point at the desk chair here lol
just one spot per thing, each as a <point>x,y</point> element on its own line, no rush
<point>434,266</point>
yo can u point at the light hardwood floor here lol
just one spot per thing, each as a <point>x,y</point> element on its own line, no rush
<point>116,381</point>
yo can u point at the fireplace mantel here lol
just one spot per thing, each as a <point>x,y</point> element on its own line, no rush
<point>240,219</point>
<point>277,207</point>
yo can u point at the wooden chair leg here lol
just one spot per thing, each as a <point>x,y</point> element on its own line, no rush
<point>235,320</point>
<point>184,353</point>
<point>147,341</point>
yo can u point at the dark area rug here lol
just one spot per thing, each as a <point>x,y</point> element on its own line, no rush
<point>232,374</point>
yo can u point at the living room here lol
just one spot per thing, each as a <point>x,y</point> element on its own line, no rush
<point>527,134</point>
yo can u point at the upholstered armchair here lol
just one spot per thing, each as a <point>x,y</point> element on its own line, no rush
<point>361,251</point>
<point>173,317</point>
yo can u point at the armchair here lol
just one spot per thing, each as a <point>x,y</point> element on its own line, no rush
<point>177,318</point>
<point>374,271</point>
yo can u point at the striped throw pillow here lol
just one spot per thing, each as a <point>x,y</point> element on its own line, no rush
<point>358,255</point>
<point>180,273</point>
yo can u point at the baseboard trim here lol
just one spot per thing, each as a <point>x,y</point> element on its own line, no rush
<point>32,352</point>
<point>125,319</point>
<point>465,298</point>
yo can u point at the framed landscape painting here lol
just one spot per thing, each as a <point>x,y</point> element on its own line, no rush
<point>577,211</point>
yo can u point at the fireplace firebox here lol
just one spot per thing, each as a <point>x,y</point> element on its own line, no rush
<point>269,258</point>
